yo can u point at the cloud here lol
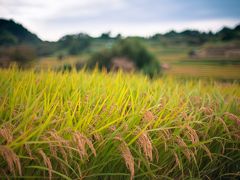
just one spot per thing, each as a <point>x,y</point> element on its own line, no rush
<point>51,19</point>
<point>143,29</point>
<point>55,8</point>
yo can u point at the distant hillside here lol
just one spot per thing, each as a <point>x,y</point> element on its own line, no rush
<point>14,38</point>
<point>229,34</point>
<point>12,33</point>
<point>194,37</point>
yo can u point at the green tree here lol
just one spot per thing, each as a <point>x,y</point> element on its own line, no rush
<point>75,44</point>
<point>106,35</point>
<point>132,49</point>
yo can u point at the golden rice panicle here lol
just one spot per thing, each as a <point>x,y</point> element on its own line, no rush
<point>233,117</point>
<point>224,125</point>
<point>12,159</point>
<point>165,136</point>
<point>52,147</point>
<point>80,140</point>
<point>61,142</point>
<point>47,162</point>
<point>144,142</point>
<point>6,133</point>
<point>90,145</point>
<point>183,145</point>
<point>177,159</point>
<point>192,134</point>
<point>139,163</point>
<point>156,153</point>
<point>80,143</point>
<point>207,151</point>
<point>28,149</point>
<point>127,156</point>
<point>207,111</point>
<point>148,116</point>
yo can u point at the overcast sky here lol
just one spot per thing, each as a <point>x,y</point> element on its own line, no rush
<point>51,19</point>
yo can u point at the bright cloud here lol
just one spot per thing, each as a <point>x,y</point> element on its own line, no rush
<point>52,19</point>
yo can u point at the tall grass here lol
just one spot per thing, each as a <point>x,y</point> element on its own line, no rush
<point>82,125</point>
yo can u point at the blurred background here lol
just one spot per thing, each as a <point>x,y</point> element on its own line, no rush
<point>165,37</point>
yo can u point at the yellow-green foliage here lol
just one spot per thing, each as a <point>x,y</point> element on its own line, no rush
<point>117,126</point>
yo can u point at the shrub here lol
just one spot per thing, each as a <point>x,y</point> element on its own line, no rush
<point>101,58</point>
<point>75,44</point>
<point>131,49</point>
<point>21,54</point>
<point>24,54</point>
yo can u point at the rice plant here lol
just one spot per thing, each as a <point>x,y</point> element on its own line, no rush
<point>98,125</point>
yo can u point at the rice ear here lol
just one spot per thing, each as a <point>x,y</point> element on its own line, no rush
<point>28,149</point>
<point>6,133</point>
<point>207,151</point>
<point>233,117</point>
<point>177,160</point>
<point>183,145</point>
<point>12,159</point>
<point>148,116</point>
<point>127,156</point>
<point>207,111</point>
<point>80,143</point>
<point>224,125</point>
<point>139,163</point>
<point>80,140</point>
<point>193,134</point>
<point>156,152</point>
<point>47,162</point>
<point>61,142</point>
<point>144,142</point>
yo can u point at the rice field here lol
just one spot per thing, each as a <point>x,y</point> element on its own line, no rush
<point>98,125</point>
<point>225,72</point>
